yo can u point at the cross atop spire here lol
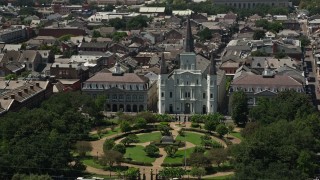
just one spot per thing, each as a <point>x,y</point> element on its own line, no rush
<point>188,44</point>
<point>212,68</point>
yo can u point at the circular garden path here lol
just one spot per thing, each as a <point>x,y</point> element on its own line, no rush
<point>97,150</point>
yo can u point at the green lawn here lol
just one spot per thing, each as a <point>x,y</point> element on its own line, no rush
<point>194,138</point>
<point>90,162</point>
<point>148,137</point>
<point>136,153</point>
<point>237,135</point>
<point>221,177</point>
<point>179,156</point>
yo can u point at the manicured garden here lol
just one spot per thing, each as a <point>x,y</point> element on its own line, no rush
<point>194,138</point>
<point>149,137</point>
<point>137,153</point>
<point>179,156</point>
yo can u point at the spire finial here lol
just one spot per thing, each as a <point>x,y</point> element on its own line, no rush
<point>188,45</point>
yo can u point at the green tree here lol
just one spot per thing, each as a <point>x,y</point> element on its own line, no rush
<point>280,150</point>
<point>164,129</point>
<point>222,130</point>
<point>120,148</point>
<point>198,172</point>
<point>27,10</point>
<point>152,150</point>
<point>138,22</point>
<point>82,147</point>
<point>258,34</point>
<point>171,172</point>
<point>198,160</point>
<point>140,123</point>
<point>206,140</point>
<point>96,34</point>
<point>305,41</point>
<point>66,37</point>
<point>108,145</point>
<point>218,155</point>
<point>117,23</point>
<point>239,108</point>
<point>131,138</point>
<point>117,36</point>
<point>125,126</point>
<point>110,158</point>
<point>171,150</point>
<point>11,77</point>
<point>131,173</point>
<point>205,34</point>
<point>30,177</point>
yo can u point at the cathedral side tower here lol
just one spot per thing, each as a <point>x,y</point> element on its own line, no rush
<point>162,79</point>
<point>212,87</point>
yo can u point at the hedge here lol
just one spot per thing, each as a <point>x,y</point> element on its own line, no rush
<point>172,164</point>
<point>137,163</point>
<point>227,141</point>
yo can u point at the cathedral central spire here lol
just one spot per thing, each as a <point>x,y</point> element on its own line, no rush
<point>212,68</point>
<point>188,44</point>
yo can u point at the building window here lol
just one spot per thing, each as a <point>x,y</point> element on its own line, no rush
<point>141,97</point>
<point>204,95</point>
<point>197,81</point>
<point>177,81</point>
<point>170,94</point>
<point>188,94</point>
<point>211,95</point>
<point>162,94</point>
<point>128,98</point>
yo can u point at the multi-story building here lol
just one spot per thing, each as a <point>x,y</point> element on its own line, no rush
<point>13,35</point>
<point>69,71</point>
<point>114,2</point>
<point>28,94</point>
<point>252,3</point>
<point>191,88</point>
<point>126,92</point>
<point>269,84</point>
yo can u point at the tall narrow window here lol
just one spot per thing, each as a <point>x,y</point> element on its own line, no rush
<point>170,94</point>
<point>162,94</point>
<point>211,95</point>
<point>204,95</point>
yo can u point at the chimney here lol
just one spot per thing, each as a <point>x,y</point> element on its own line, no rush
<point>25,90</point>
<point>37,84</point>
<point>12,96</point>
<point>31,87</point>
<point>20,93</point>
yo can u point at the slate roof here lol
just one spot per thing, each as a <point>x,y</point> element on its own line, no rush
<point>126,78</point>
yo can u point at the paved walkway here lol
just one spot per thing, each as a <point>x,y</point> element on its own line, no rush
<point>97,150</point>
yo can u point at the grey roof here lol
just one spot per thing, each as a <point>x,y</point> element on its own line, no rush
<point>202,63</point>
<point>93,45</point>
<point>28,55</point>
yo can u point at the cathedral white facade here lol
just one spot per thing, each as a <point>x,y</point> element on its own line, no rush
<point>187,90</point>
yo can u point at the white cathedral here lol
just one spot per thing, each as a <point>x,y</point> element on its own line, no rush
<point>187,90</point>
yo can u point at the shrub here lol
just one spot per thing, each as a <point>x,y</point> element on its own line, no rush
<point>120,148</point>
<point>152,150</point>
<point>181,132</point>
<point>137,163</point>
<point>195,125</point>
